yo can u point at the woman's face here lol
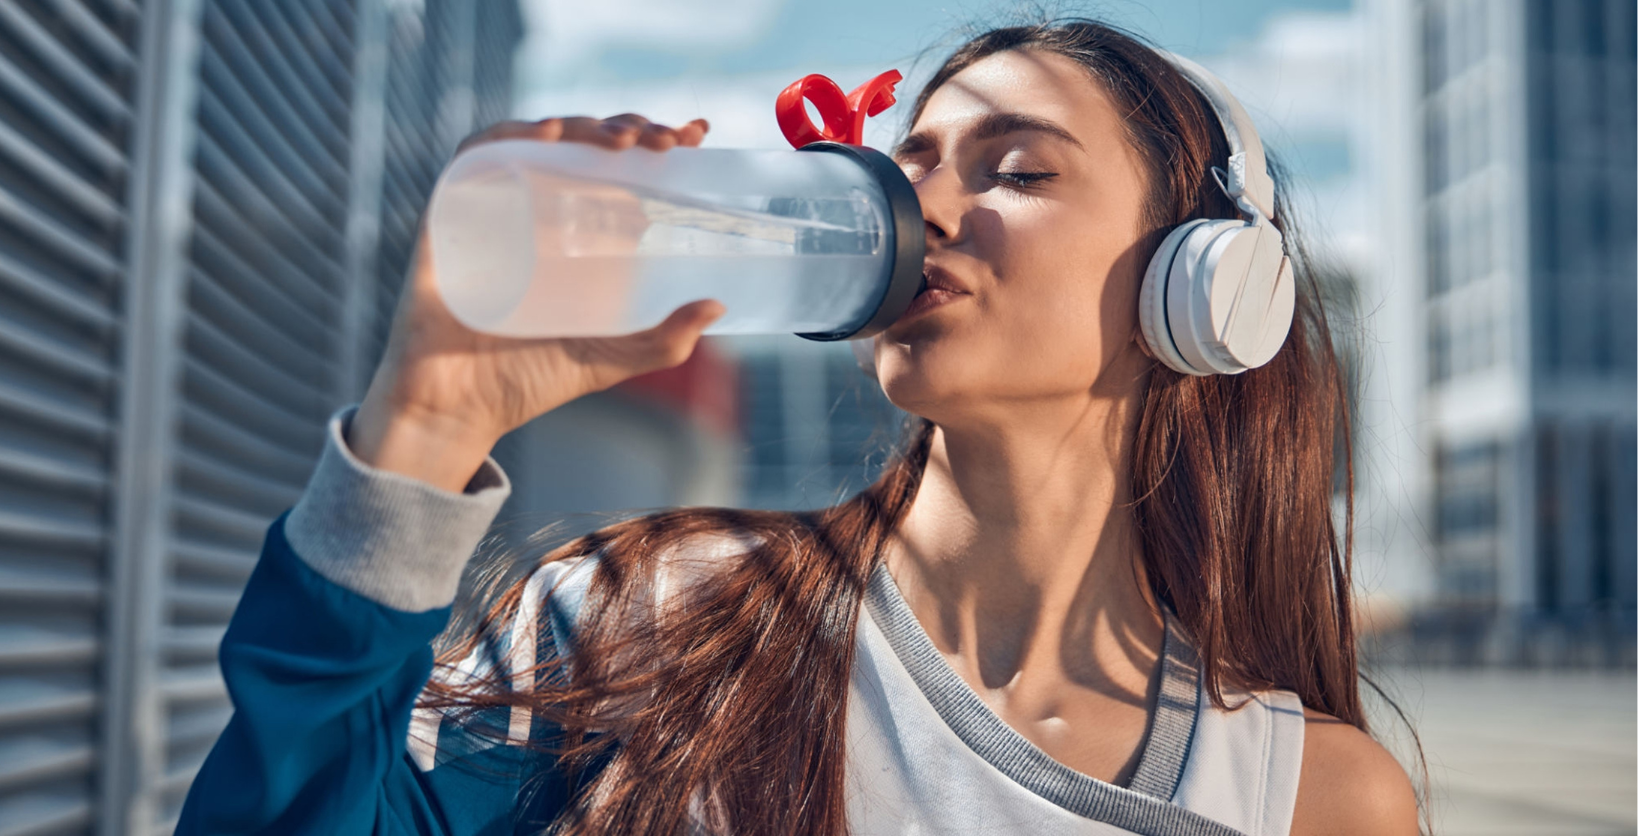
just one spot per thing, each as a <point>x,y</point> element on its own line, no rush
<point>1034,202</point>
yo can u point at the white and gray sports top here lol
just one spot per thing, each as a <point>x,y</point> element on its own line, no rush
<point>927,756</point>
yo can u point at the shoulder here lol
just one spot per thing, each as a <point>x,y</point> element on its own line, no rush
<point>651,565</point>
<point>1350,784</point>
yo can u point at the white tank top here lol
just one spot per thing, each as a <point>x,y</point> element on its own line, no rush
<point>927,756</point>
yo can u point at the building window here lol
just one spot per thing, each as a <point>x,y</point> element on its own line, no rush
<point>1467,479</point>
<point>1547,518</point>
<point>1433,46</point>
<point>1437,252</point>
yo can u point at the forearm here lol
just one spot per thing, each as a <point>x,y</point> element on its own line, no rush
<point>326,655</point>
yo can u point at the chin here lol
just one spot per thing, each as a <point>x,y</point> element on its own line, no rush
<point>930,384</point>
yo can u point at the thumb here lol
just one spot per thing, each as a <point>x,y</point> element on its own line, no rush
<point>673,340</point>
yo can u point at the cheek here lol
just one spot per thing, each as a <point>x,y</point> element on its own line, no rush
<point>1067,290</point>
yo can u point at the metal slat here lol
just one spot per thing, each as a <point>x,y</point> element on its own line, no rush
<point>32,407</point>
<point>200,427</point>
<point>300,281</point>
<point>42,471</point>
<point>331,27</point>
<point>332,106</point>
<point>59,179</point>
<point>299,163</point>
<point>232,565</point>
<point>192,463</point>
<point>47,353</point>
<point>34,711</point>
<point>125,10</point>
<point>201,604</point>
<point>95,34</point>
<point>92,90</point>
<point>57,820</point>
<point>42,767</point>
<point>298,451</point>
<point>83,254</point>
<point>218,122</point>
<point>219,351</point>
<point>214,301</point>
<point>43,652</point>
<point>195,684</point>
<point>87,142</point>
<point>194,642</point>
<point>225,173</point>
<point>271,419</point>
<point>29,283</point>
<point>294,101</point>
<point>219,263</point>
<point>201,513</point>
<point>326,69</point>
<point>36,529</point>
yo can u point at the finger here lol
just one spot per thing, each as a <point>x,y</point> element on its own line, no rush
<point>693,133</point>
<point>657,137</point>
<point>556,129</point>
<point>599,132</point>
<point>546,129</point>
<point>672,342</point>
<point>628,120</point>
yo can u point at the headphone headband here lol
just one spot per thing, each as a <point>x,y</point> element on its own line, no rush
<point>1247,180</point>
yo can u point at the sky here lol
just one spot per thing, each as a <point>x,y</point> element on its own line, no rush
<point>1292,62</point>
<point>574,42</point>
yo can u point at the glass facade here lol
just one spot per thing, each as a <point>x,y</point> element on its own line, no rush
<point>1528,204</point>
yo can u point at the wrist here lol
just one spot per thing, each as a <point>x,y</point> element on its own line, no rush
<point>439,450</point>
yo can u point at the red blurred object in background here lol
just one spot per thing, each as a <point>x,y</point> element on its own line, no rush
<point>705,388</point>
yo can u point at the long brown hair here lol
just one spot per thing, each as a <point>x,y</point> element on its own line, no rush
<point>728,713</point>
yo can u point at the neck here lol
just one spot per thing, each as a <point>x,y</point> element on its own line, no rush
<point>1019,553</point>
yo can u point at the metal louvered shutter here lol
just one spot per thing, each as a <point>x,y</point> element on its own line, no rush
<point>193,270</point>
<point>264,302</point>
<point>66,111</point>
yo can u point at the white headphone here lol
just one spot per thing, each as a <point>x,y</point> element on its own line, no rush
<point>1218,295</point>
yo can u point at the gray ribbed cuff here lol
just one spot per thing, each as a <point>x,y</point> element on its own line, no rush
<point>393,539</point>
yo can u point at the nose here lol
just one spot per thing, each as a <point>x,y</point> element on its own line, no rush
<point>939,192</point>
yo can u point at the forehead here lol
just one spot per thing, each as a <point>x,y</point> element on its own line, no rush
<point>1041,84</point>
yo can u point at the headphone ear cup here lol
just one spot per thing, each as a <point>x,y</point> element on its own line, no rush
<point>1267,297</point>
<point>1152,315</point>
<point>1189,294</point>
<point>1201,289</point>
<point>1239,307</point>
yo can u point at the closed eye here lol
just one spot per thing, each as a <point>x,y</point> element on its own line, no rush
<point>1023,179</point>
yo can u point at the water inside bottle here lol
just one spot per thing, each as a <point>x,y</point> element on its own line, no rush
<point>608,259</point>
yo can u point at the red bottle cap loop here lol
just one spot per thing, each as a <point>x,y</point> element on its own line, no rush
<point>843,116</point>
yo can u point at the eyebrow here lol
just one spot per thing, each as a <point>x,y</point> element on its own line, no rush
<point>991,126</point>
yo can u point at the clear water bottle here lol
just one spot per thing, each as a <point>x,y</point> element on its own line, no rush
<point>533,239</point>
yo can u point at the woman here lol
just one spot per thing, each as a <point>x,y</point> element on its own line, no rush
<point>1091,595</point>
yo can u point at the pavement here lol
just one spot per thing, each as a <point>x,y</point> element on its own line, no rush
<point>1532,753</point>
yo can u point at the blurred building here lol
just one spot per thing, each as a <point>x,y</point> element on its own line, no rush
<point>1516,123</point>
<point>205,210</point>
<point>815,429</point>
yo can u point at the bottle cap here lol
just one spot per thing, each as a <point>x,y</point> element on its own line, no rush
<point>843,116</point>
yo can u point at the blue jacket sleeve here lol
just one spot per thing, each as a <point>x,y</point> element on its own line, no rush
<point>323,683</point>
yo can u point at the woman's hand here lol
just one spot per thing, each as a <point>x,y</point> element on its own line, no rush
<point>444,394</point>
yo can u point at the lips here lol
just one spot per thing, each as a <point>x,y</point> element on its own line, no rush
<point>938,288</point>
<point>937,278</point>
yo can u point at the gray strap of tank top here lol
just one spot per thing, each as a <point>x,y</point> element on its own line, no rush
<point>1172,726</point>
<point>1144,809</point>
